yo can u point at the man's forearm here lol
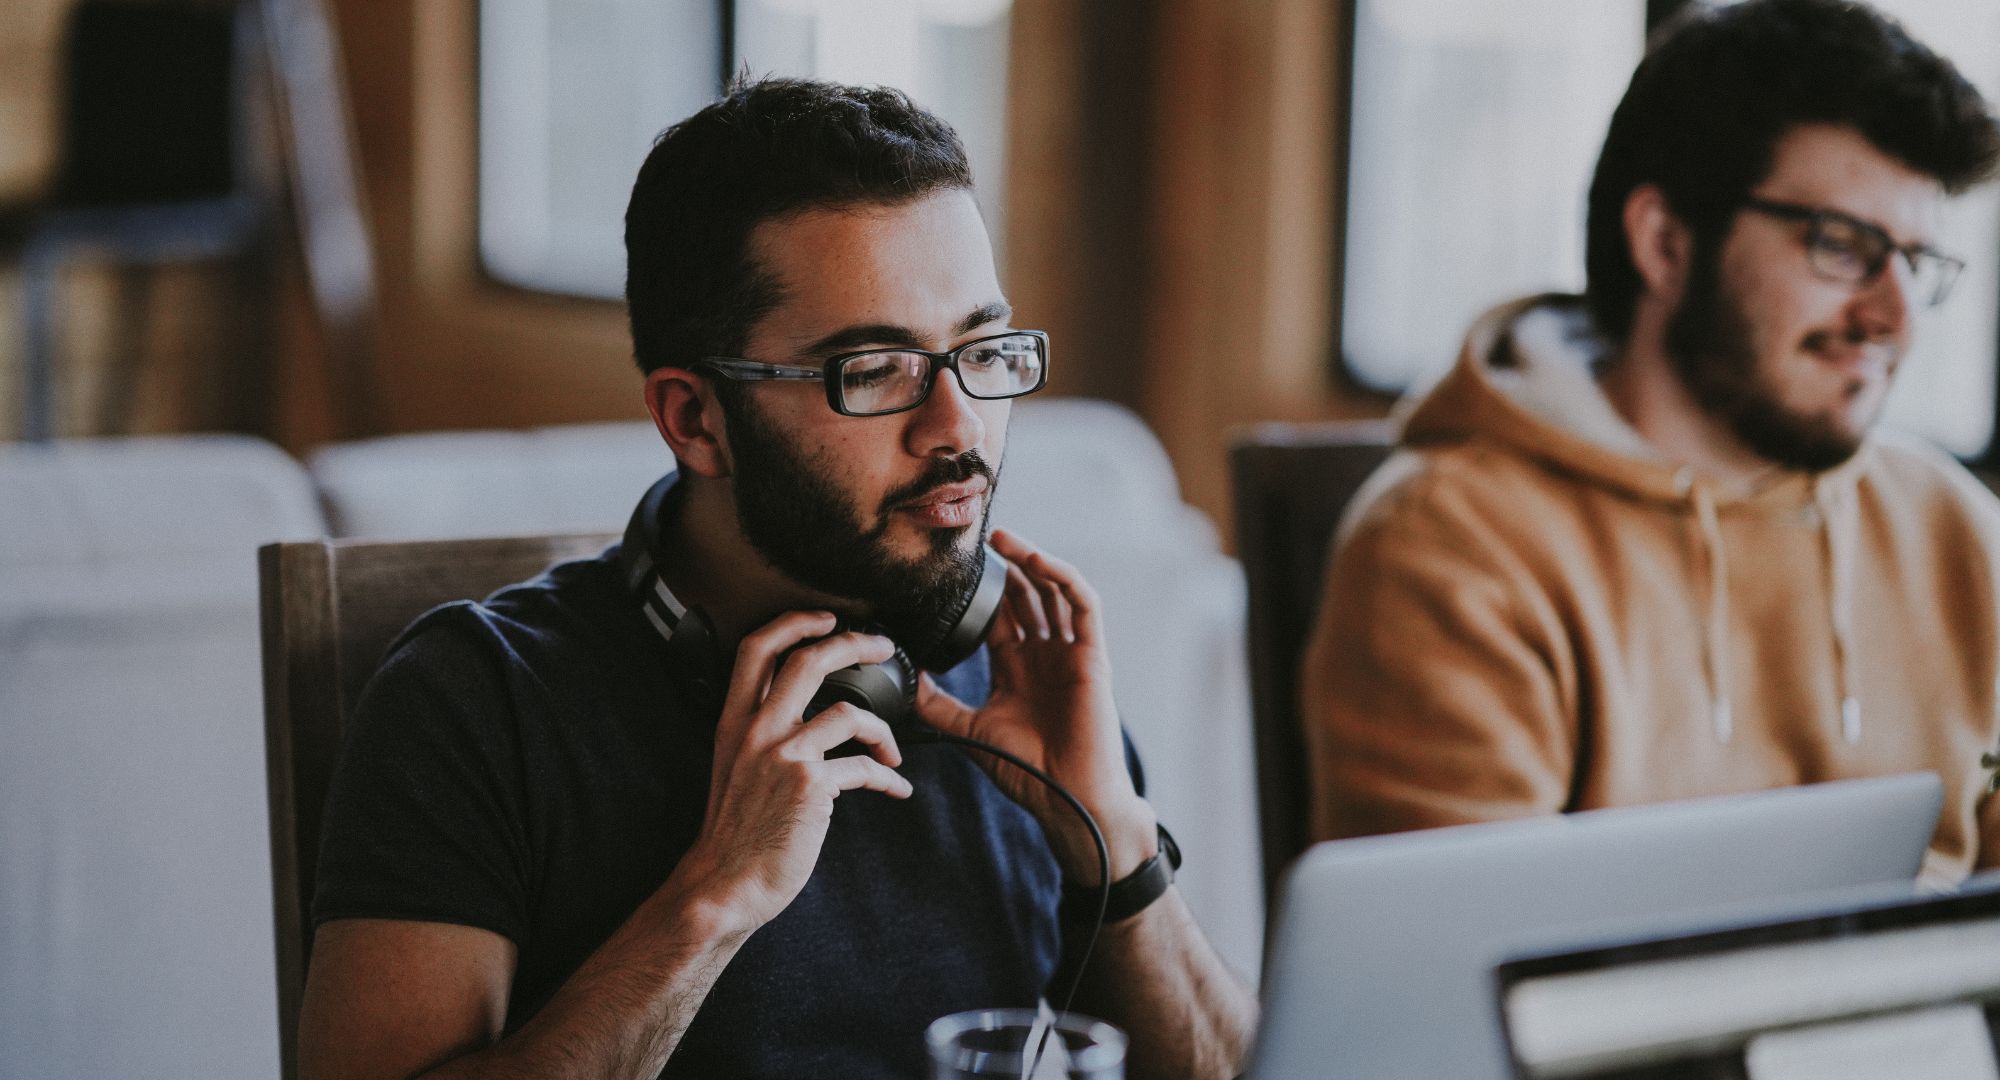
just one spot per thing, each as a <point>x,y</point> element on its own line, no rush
<point>624,1011</point>
<point>1156,976</point>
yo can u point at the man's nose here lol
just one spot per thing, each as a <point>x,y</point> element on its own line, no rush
<point>946,424</point>
<point>1883,305</point>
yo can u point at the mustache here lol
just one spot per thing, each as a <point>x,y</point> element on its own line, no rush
<point>1850,336</point>
<point>939,473</point>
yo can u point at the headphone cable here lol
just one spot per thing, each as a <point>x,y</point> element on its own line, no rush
<point>923,735</point>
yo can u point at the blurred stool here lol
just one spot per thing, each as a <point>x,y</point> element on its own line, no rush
<point>159,164</point>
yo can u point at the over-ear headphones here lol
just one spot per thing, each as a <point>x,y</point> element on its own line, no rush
<point>887,689</point>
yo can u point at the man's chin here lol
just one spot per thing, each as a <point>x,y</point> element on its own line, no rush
<point>1808,443</point>
<point>921,584</point>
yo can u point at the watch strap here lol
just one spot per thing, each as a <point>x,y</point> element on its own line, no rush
<point>1133,893</point>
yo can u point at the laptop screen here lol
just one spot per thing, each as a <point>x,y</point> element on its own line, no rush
<point>1908,990</point>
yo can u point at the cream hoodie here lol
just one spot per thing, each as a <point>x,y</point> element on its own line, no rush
<point>1529,610</point>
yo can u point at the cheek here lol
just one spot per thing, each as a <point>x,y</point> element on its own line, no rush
<point>864,458</point>
<point>1780,317</point>
<point>993,416</point>
<point>1776,297</point>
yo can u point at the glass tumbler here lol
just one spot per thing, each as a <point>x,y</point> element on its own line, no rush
<point>1023,1044</point>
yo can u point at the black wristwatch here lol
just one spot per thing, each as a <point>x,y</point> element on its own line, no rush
<point>1131,894</point>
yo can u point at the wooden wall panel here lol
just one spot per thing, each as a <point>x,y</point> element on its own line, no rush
<point>1171,219</point>
<point>1213,300</point>
<point>456,349</point>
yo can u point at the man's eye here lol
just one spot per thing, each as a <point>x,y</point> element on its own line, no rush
<point>984,358</point>
<point>867,378</point>
<point>1843,245</point>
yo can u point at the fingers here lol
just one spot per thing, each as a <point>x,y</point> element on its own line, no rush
<point>802,672</point>
<point>1086,611</point>
<point>1024,605</point>
<point>757,662</point>
<point>776,674</point>
<point>849,773</point>
<point>844,722</point>
<point>938,708</point>
<point>1061,620</point>
<point>1069,607</point>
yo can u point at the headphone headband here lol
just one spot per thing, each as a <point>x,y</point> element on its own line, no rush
<point>887,689</point>
<point>689,637</point>
<point>663,609</point>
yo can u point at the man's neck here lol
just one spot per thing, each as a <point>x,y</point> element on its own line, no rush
<point>706,560</point>
<point>1641,383</point>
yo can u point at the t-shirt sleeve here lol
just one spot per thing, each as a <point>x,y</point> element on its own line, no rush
<point>426,818</point>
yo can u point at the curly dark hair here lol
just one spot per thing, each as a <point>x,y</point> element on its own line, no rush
<point>1720,86</point>
<point>768,147</point>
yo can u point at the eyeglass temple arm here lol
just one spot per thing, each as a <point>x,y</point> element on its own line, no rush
<point>751,369</point>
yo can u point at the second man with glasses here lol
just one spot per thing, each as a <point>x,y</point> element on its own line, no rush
<point>1647,543</point>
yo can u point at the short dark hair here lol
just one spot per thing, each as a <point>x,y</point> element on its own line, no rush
<point>1720,86</point>
<point>768,147</point>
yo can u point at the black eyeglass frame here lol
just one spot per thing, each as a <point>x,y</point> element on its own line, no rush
<point>828,371</point>
<point>1816,219</point>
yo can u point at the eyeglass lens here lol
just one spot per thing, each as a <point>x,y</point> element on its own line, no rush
<point>879,382</point>
<point>1846,252</point>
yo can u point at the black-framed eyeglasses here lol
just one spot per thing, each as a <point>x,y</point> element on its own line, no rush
<point>877,382</point>
<point>1842,247</point>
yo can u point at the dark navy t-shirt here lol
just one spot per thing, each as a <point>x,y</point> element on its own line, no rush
<point>530,766</point>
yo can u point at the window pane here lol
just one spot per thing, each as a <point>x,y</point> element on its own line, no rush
<point>571,96</point>
<point>573,92</point>
<point>950,56</point>
<point>1474,129</point>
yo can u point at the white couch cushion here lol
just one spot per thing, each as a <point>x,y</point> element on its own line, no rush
<point>1081,472</point>
<point>577,479</point>
<point>135,881</point>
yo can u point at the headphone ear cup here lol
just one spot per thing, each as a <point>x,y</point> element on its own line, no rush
<point>887,689</point>
<point>960,629</point>
<point>908,672</point>
<point>695,658</point>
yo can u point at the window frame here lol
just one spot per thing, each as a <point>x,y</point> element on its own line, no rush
<point>725,70</point>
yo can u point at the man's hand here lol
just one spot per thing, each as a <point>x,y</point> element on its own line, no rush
<point>394,998</point>
<point>772,790</point>
<point>1051,705</point>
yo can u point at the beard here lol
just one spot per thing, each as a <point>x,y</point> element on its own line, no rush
<point>800,522</point>
<point>1709,341</point>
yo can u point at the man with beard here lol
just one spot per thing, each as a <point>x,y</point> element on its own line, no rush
<point>1644,544</point>
<point>592,827</point>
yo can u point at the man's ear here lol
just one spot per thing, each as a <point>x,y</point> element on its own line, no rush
<point>1660,244</point>
<point>690,419</point>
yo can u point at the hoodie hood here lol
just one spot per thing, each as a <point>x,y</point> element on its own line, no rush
<point>1526,379</point>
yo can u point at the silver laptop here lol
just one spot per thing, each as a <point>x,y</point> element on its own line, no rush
<point>1836,988</point>
<point>1382,949</point>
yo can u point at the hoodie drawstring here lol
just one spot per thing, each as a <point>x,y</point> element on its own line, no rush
<point>1836,543</point>
<point>1835,526</point>
<point>1715,639</point>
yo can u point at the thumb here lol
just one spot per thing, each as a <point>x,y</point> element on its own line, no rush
<point>938,708</point>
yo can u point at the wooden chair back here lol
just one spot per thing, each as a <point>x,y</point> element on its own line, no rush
<point>1290,484</point>
<point>330,610</point>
